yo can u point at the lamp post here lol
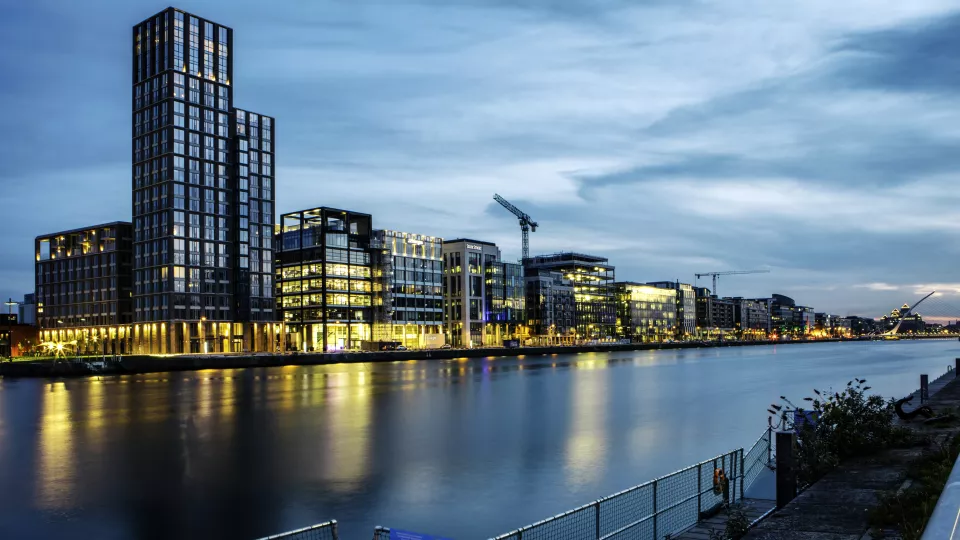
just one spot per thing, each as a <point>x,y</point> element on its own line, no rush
<point>10,303</point>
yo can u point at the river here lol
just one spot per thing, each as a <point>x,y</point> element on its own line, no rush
<point>459,448</point>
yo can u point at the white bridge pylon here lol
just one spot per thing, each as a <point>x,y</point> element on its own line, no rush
<point>903,315</point>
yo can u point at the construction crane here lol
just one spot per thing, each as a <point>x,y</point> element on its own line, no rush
<point>728,273</point>
<point>527,223</point>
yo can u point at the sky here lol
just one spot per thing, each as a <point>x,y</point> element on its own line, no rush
<point>819,140</point>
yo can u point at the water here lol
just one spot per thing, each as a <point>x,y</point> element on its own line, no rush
<point>461,448</point>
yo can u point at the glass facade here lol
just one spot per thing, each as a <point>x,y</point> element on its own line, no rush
<point>84,277</point>
<point>646,313</point>
<point>686,307</point>
<point>410,303</point>
<point>203,190</point>
<point>592,278</point>
<point>324,284</point>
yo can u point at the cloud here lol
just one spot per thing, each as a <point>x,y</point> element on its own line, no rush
<point>816,139</point>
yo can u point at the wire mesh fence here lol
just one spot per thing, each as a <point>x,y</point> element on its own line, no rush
<point>320,531</point>
<point>759,456</point>
<point>657,509</point>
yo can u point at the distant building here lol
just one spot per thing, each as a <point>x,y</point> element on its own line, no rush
<point>645,313</point>
<point>16,338</point>
<point>409,304</point>
<point>84,277</point>
<point>483,296</point>
<point>594,295</point>
<point>551,309</point>
<point>324,279</point>
<point>860,326</point>
<point>910,322</point>
<point>715,316</point>
<point>787,318</point>
<point>686,306</point>
<point>752,317</point>
<point>27,310</point>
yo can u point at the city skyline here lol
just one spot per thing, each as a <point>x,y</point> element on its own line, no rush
<point>779,160</point>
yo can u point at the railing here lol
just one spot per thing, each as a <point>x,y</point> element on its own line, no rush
<point>381,533</point>
<point>320,531</point>
<point>659,508</point>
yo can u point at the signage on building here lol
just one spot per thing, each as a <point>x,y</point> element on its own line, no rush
<point>474,246</point>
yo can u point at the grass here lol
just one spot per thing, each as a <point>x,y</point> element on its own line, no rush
<point>908,512</point>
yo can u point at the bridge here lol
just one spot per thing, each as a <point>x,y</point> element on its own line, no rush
<point>937,310</point>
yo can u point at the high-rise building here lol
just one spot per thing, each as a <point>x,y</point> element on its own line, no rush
<point>324,271</point>
<point>592,278</point>
<point>715,316</point>
<point>203,188</point>
<point>408,289</point>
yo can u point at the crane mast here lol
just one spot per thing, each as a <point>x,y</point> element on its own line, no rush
<point>527,223</point>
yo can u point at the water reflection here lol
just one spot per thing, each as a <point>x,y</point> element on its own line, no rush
<point>55,481</point>
<point>463,448</point>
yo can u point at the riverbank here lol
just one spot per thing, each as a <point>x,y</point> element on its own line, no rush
<point>843,504</point>
<point>132,364</point>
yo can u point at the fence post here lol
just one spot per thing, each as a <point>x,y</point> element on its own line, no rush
<point>956,366</point>
<point>699,491</point>
<point>333,527</point>
<point>743,473</point>
<point>769,442</point>
<point>596,514</point>
<point>655,514</point>
<point>786,468</point>
<point>924,388</point>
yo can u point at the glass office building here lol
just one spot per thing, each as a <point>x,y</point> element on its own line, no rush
<point>592,278</point>
<point>408,295</point>
<point>203,190</point>
<point>645,313</point>
<point>325,279</point>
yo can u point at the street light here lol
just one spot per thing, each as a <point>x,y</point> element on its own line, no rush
<point>10,303</point>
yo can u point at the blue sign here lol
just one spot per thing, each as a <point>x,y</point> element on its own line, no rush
<point>407,535</point>
<point>804,418</point>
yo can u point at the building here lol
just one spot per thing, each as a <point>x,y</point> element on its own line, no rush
<point>595,305</point>
<point>16,338</point>
<point>84,277</point>
<point>203,192</point>
<point>715,316</point>
<point>787,318</point>
<point>324,279</point>
<point>27,310</point>
<point>686,307</point>
<point>646,313</point>
<point>483,297</point>
<point>910,322</point>
<point>751,317</point>
<point>550,307</point>
<point>408,289</point>
<point>505,302</point>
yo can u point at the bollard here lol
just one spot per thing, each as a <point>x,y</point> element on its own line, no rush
<point>924,389</point>
<point>956,367</point>
<point>786,468</point>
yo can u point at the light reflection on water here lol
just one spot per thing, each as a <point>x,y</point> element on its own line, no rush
<point>462,448</point>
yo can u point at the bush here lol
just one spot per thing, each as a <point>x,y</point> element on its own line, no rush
<point>838,426</point>
<point>737,525</point>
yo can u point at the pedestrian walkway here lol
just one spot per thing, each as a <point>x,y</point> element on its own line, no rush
<point>754,508</point>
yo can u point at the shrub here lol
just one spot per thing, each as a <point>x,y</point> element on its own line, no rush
<point>837,426</point>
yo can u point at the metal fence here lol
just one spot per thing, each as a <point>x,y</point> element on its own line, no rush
<point>381,533</point>
<point>660,508</point>
<point>320,531</point>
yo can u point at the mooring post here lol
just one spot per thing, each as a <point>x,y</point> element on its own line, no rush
<point>924,388</point>
<point>956,366</point>
<point>786,468</point>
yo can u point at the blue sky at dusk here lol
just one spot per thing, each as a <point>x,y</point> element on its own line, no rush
<point>817,139</point>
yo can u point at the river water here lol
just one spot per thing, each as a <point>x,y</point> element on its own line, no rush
<point>459,448</point>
